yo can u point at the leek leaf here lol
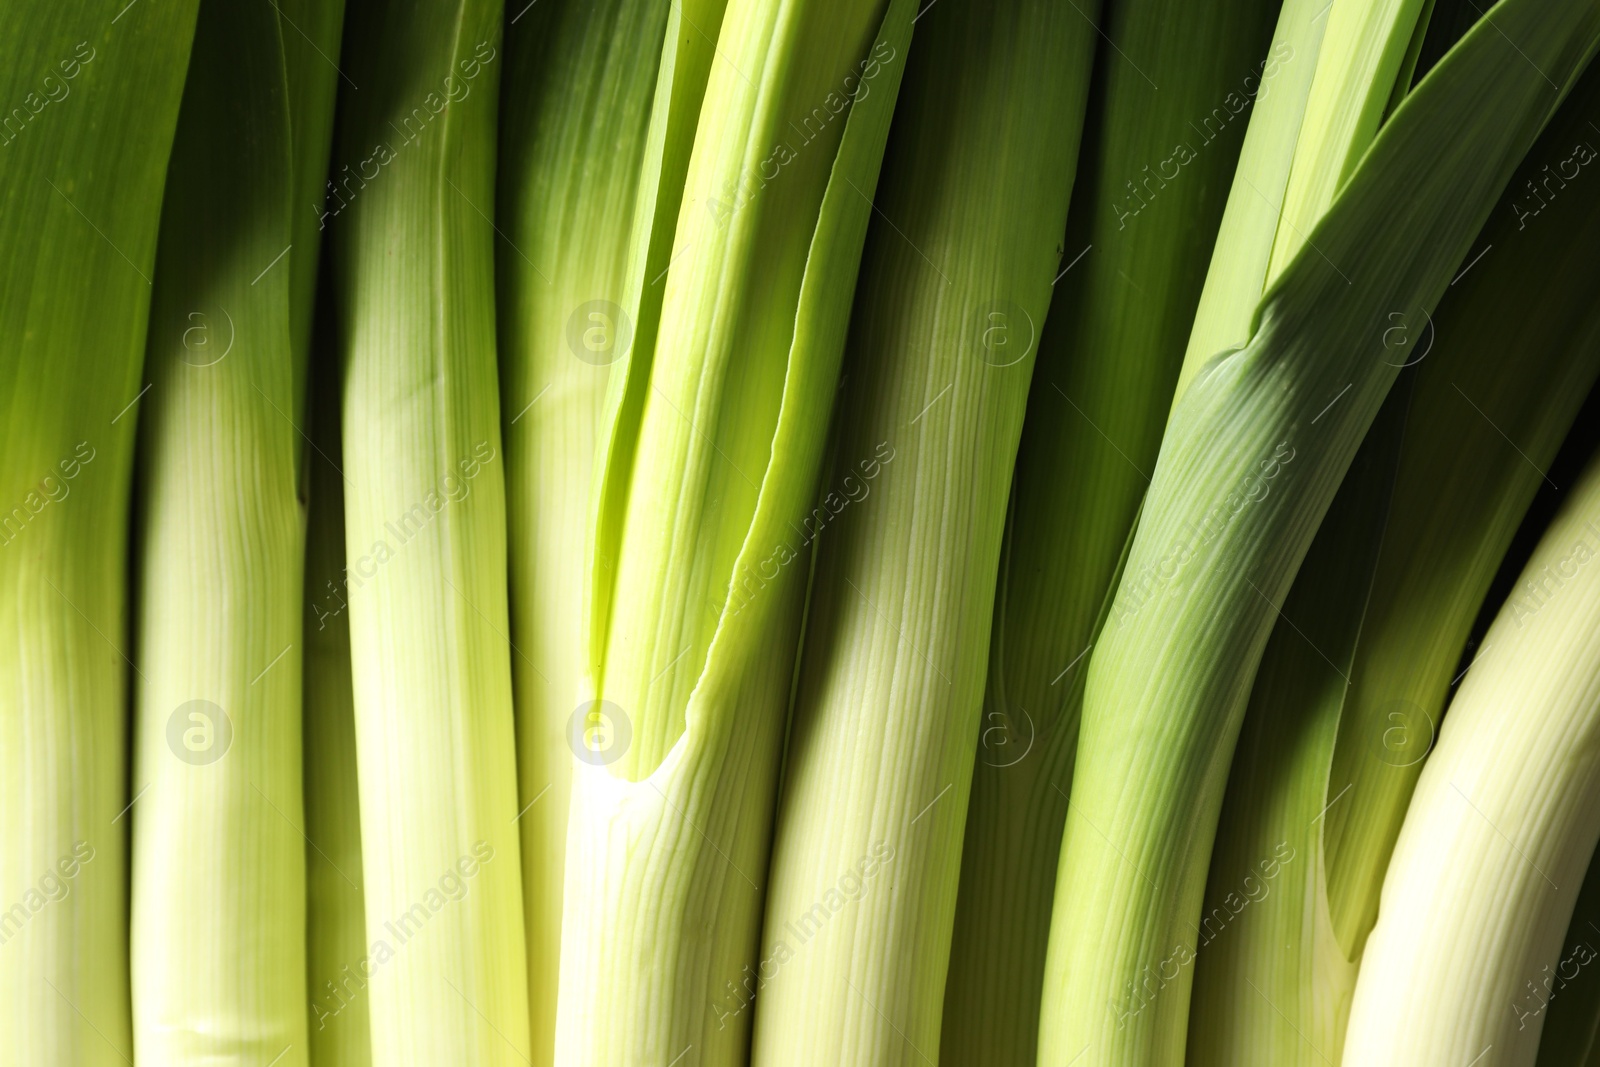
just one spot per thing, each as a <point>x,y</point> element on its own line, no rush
<point>91,96</point>
<point>696,781</point>
<point>412,261</point>
<point>1460,490</point>
<point>1502,825</point>
<point>580,80</point>
<point>955,287</point>
<point>1252,458</point>
<point>1146,205</point>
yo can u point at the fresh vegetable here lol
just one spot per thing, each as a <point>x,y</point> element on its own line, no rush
<point>955,287</point>
<point>1391,587</point>
<point>410,229</point>
<point>219,891</point>
<point>1145,211</point>
<point>710,466</point>
<point>601,581</point>
<point>1244,477</point>
<point>580,80</point>
<point>1492,854</point>
<point>90,96</point>
<point>1568,994</point>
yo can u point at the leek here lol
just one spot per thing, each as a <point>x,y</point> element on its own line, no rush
<point>218,909</point>
<point>577,104</point>
<point>1271,983</point>
<point>92,96</point>
<point>654,601</point>
<point>410,208</point>
<point>1145,211</point>
<point>955,285</point>
<point>1251,460</point>
<point>1458,492</point>
<point>1500,829</point>
<point>1359,61</point>
<point>1422,611</point>
<point>1302,142</point>
<point>710,462</point>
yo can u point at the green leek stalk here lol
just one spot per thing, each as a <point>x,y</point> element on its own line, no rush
<point>1271,984</point>
<point>1303,141</point>
<point>336,934</point>
<point>711,462</point>
<point>92,96</point>
<point>955,287</point>
<point>1500,829</point>
<point>1363,51</point>
<point>1423,611</point>
<point>1140,230</point>
<point>580,80</point>
<point>688,49</point>
<point>1394,621</point>
<point>1251,460</point>
<point>218,940</point>
<point>413,263</point>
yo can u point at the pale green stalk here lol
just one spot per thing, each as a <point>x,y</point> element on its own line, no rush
<point>1252,457</point>
<point>91,96</point>
<point>1304,139</point>
<point>1363,49</point>
<point>425,534</point>
<point>1271,983</point>
<point>336,932</point>
<point>1146,206</point>
<point>955,288</point>
<point>672,806</point>
<point>1421,35</point>
<point>688,50</point>
<point>1499,831</point>
<point>1392,623</point>
<point>581,77</point>
<point>1238,270</point>
<point>734,202</point>
<point>218,940</point>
